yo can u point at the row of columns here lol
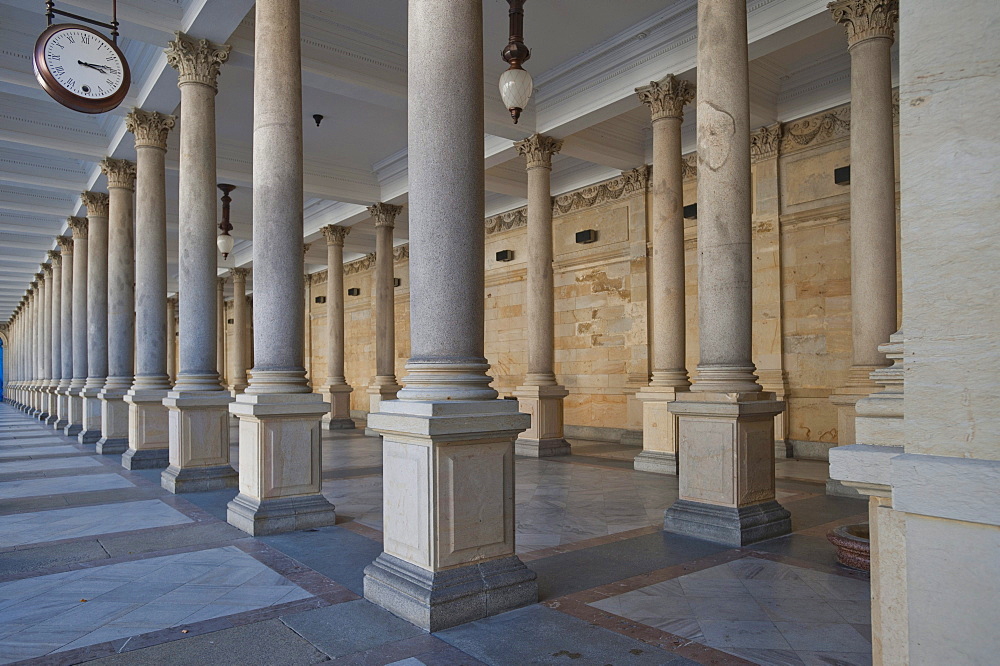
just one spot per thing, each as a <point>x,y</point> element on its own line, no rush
<point>448,443</point>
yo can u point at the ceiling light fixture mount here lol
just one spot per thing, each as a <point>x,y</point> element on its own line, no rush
<point>515,83</point>
<point>318,118</point>
<point>224,240</point>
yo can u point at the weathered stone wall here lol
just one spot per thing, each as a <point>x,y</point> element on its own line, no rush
<point>802,313</point>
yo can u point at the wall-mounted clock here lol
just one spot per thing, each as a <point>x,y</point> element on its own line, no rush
<point>80,68</point>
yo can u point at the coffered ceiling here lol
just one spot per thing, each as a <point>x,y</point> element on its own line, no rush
<point>587,58</point>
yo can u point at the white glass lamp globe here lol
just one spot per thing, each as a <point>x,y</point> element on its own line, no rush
<point>515,90</point>
<point>225,242</point>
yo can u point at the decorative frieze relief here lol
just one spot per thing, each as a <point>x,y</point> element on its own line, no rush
<point>630,182</point>
<point>764,142</point>
<point>689,166</point>
<point>512,219</point>
<point>365,263</point>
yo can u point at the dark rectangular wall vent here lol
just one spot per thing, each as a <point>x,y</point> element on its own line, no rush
<point>505,255</point>
<point>586,236</point>
<point>321,299</point>
<point>842,176</point>
<point>353,291</point>
<point>396,282</point>
<point>690,212</point>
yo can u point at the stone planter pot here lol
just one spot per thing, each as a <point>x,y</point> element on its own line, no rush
<point>853,546</point>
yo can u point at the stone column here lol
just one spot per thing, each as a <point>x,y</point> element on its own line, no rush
<point>870,33</point>
<point>337,388</point>
<point>666,100</point>
<point>238,366</point>
<point>33,341</point>
<point>54,351</point>
<point>220,327</point>
<point>45,341</point>
<point>281,471</point>
<point>448,443</point>
<point>79,330</point>
<point>199,419</point>
<point>121,306</point>
<point>97,314</point>
<point>148,431</point>
<point>307,318</point>
<point>172,340</point>
<point>383,385</point>
<point>65,355</point>
<point>726,421</point>
<point>541,396</point>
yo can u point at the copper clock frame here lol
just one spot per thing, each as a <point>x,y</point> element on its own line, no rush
<point>64,96</point>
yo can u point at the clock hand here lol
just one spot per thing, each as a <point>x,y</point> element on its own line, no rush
<point>99,68</point>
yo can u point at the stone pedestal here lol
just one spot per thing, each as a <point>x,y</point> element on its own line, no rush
<point>448,503</point>
<point>659,426</point>
<point>339,397</point>
<point>544,437</point>
<point>148,429</point>
<point>380,390</point>
<point>90,428</point>
<point>281,471</point>
<point>727,436</point>
<point>198,425</point>
<point>114,417</point>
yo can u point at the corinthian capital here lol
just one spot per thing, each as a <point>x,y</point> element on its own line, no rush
<point>47,268</point>
<point>79,227</point>
<point>96,203</point>
<point>335,234</point>
<point>54,257</point>
<point>196,60</point>
<point>384,214</point>
<point>120,173</point>
<point>150,127</point>
<point>239,274</point>
<point>866,19</point>
<point>539,150</point>
<point>65,245</point>
<point>666,98</point>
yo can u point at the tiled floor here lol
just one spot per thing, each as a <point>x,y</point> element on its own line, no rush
<point>100,563</point>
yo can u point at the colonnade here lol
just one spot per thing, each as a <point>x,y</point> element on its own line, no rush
<point>83,363</point>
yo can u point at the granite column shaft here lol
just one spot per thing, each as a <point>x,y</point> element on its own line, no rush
<point>97,314</point>
<point>337,388</point>
<point>81,263</point>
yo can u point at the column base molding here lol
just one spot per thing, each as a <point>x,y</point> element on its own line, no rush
<point>379,390</point>
<point>259,517</point>
<point>438,600</point>
<point>730,526</point>
<point>148,427</point>
<point>90,430</point>
<point>146,458</point>
<point>198,479</point>
<point>114,422</point>
<point>658,462</point>
<point>544,438</point>
<point>52,405</point>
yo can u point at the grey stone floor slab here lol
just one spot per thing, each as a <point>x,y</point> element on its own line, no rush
<point>350,627</point>
<point>21,466</point>
<point>40,451</point>
<point>83,607</point>
<point>26,528</point>
<point>63,485</point>
<point>539,635</point>
<point>338,554</point>
<point>268,643</point>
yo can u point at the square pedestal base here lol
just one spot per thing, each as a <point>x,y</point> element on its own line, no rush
<point>659,430</point>
<point>339,424</point>
<point>148,429</point>
<point>281,514</point>
<point>52,406</point>
<point>731,526</point>
<point>544,437</point>
<point>339,416</point>
<point>438,600</point>
<point>725,445</point>
<point>281,471</point>
<point>90,430</point>
<point>377,394</point>
<point>199,442</point>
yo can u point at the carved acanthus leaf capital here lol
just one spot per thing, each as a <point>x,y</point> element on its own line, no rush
<point>196,60</point>
<point>764,143</point>
<point>65,244</point>
<point>666,98</point>
<point>240,274</point>
<point>96,203</point>
<point>55,257</point>
<point>401,252</point>
<point>47,268</point>
<point>384,214</point>
<point>120,173</point>
<point>150,127</point>
<point>866,19</point>
<point>335,234</point>
<point>79,227</point>
<point>220,282</point>
<point>539,150</point>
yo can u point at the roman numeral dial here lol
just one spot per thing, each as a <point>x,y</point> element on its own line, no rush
<point>81,68</point>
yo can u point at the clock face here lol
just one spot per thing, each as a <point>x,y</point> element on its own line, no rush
<point>81,69</point>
